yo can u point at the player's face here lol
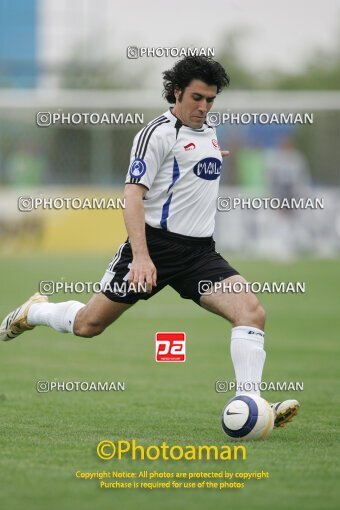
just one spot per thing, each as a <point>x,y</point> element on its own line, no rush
<point>193,105</point>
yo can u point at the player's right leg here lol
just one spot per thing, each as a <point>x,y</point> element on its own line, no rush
<point>67,317</point>
<point>97,315</point>
<point>72,316</point>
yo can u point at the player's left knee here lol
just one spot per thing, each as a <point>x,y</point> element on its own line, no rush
<point>260,316</point>
<point>252,314</point>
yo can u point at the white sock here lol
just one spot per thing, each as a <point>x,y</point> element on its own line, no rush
<point>59,316</point>
<point>248,358</point>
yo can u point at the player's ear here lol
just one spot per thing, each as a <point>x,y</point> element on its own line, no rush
<point>177,93</point>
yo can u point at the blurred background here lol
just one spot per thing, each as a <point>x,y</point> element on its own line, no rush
<point>66,57</point>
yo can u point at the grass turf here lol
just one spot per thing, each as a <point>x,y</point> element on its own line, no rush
<point>46,438</point>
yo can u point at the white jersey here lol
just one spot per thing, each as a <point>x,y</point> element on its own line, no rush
<point>181,167</point>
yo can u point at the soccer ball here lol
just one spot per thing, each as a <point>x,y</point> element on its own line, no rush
<point>247,417</point>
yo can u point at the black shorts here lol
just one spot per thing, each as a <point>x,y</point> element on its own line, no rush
<point>181,262</point>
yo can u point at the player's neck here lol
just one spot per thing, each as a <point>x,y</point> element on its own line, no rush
<point>176,114</point>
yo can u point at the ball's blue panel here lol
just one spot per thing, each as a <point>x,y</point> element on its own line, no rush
<point>251,421</point>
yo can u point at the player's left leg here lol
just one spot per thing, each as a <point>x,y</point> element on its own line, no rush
<point>247,317</point>
<point>244,311</point>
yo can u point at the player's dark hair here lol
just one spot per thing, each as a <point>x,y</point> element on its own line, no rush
<point>193,68</point>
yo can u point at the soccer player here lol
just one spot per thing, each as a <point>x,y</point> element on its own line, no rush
<point>171,191</point>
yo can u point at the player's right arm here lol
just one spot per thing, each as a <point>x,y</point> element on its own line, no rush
<point>142,268</point>
<point>147,154</point>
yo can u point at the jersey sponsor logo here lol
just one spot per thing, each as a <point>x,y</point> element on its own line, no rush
<point>170,347</point>
<point>208,169</point>
<point>190,147</point>
<point>137,168</point>
<point>215,144</point>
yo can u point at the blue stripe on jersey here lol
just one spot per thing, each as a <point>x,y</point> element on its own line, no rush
<point>175,174</point>
<point>165,213</point>
<point>166,206</point>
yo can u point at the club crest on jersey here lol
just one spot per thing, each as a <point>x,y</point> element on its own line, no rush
<point>208,169</point>
<point>137,168</point>
<point>215,144</point>
<point>190,147</point>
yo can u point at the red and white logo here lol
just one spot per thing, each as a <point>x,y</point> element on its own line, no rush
<point>215,144</point>
<point>170,347</point>
<point>190,147</point>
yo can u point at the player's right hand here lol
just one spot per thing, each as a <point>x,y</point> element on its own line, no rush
<point>143,271</point>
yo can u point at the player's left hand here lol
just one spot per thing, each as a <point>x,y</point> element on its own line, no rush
<point>225,153</point>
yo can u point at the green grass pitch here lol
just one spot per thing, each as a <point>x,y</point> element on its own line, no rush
<point>46,438</point>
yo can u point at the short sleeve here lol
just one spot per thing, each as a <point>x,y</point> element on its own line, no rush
<point>147,155</point>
